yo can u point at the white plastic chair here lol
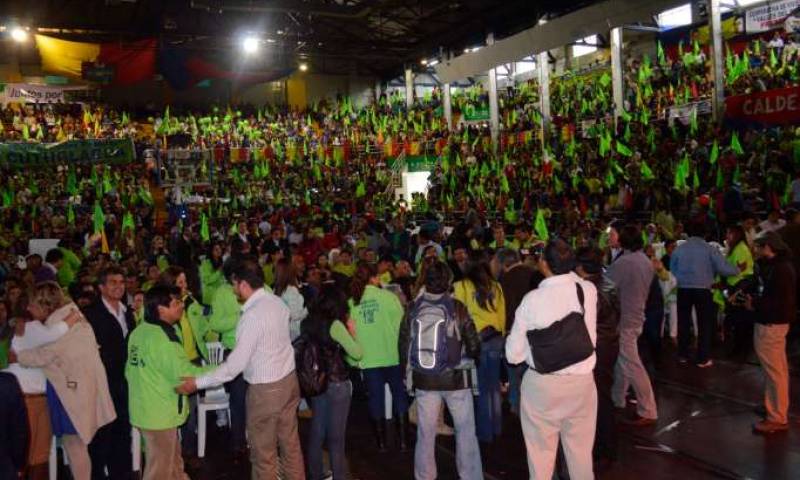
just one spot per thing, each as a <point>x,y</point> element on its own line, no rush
<point>136,448</point>
<point>387,402</point>
<point>213,399</point>
<point>55,444</point>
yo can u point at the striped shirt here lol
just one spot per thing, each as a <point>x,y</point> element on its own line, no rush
<point>263,349</point>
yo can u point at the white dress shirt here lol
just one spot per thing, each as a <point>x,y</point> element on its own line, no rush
<point>263,349</point>
<point>119,315</point>
<point>555,298</point>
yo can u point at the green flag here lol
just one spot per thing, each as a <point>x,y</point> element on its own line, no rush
<point>714,153</point>
<point>623,149</point>
<point>661,57</point>
<point>736,147</point>
<point>773,62</point>
<point>540,226</point>
<point>127,221</point>
<point>70,215</point>
<point>647,174</point>
<point>98,218</point>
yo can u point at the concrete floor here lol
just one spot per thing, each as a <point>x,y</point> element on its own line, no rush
<point>704,432</point>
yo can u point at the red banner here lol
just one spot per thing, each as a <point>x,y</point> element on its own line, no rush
<point>774,107</point>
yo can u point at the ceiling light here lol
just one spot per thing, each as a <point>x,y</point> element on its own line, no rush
<point>433,62</point>
<point>19,34</point>
<point>423,62</point>
<point>303,67</point>
<point>250,45</point>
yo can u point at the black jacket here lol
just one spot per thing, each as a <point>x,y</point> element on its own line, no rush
<point>113,344</point>
<point>777,303</point>
<point>608,311</point>
<point>452,379</point>
<point>13,428</point>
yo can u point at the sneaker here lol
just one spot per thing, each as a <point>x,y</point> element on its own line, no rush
<point>706,364</point>
<point>683,360</point>
<point>766,427</point>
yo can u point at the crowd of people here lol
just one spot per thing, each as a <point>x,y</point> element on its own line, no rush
<point>295,259</point>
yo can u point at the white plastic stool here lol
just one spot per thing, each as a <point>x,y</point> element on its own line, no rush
<point>387,402</point>
<point>213,400</point>
<point>53,460</point>
<point>136,448</point>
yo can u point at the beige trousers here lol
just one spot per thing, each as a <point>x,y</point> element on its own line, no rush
<point>770,346</point>
<point>554,407</point>
<point>272,424</point>
<point>163,459</point>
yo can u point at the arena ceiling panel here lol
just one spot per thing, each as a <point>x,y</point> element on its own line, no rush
<point>375,37</point>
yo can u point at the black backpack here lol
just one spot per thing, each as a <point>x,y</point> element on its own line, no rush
<point>312,374</point>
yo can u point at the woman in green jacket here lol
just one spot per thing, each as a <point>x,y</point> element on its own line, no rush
<point>211,275</point>
<point>156,363</point>
<point>377,315</point>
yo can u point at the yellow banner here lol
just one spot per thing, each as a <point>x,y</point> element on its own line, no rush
<point>64,57</point>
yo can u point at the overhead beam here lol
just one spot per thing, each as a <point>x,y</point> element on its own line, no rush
<point>553,34</point>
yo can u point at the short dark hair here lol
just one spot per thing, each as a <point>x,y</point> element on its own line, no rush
<point>248,270</point>
<point>159,296</point>
<point>437,277</point>
<point>559,257</point>
<point>102,277</point>
<point>507,257</point>
<point>590,258</point>
<point>630,238</point>
<point>53,255</point>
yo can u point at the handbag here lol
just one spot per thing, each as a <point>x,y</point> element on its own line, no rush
<point>563,343</point>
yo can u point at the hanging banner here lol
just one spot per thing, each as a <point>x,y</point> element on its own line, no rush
<point>476,114</point>
<point>769,15</point>
<point>28,93</point>
<point>773,107</point>
<point>24,155</point>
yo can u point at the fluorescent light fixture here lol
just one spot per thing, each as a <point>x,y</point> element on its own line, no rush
<point>250,45</point>
<point>18,34</point>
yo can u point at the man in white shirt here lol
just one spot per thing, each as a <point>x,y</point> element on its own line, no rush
<point>562,403</point>
<point>773,223</point>
<point>264,353</point>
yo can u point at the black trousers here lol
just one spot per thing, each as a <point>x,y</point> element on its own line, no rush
<point>110,449</point>
<point>605,441</point>
<point>701,300</point>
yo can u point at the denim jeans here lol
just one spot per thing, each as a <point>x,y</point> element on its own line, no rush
<point>375,378</point>
<point>514,373</point>
<point>329,423</point>
<point>489,411</point>
<point>468,455</point>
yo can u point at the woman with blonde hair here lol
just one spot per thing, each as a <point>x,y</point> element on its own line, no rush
<point>78,399</point>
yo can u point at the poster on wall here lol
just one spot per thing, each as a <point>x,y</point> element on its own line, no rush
<point>773,107</point>
<point>769,15</point>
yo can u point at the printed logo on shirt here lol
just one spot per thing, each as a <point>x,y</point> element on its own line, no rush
<point>368,309</point>
<point>134,358</point>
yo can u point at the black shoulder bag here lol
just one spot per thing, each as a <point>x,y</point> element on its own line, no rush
<point>564,343</point>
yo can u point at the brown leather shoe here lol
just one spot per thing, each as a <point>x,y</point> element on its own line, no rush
<point>766,427</point>
<point>639,421</point>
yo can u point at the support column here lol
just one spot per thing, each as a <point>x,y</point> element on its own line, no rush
<point>616,70</point>
<point>715,27</point>
<point>448,107</point>
<point>494,111</point>
<point>543,65</point>
<point>409,88</point>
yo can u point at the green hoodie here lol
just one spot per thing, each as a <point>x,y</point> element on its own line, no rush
<point>224,318</point>
<point>70,265</point>
<point>210,280</point>
<point>155,367</point>
<point>377,317</point>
